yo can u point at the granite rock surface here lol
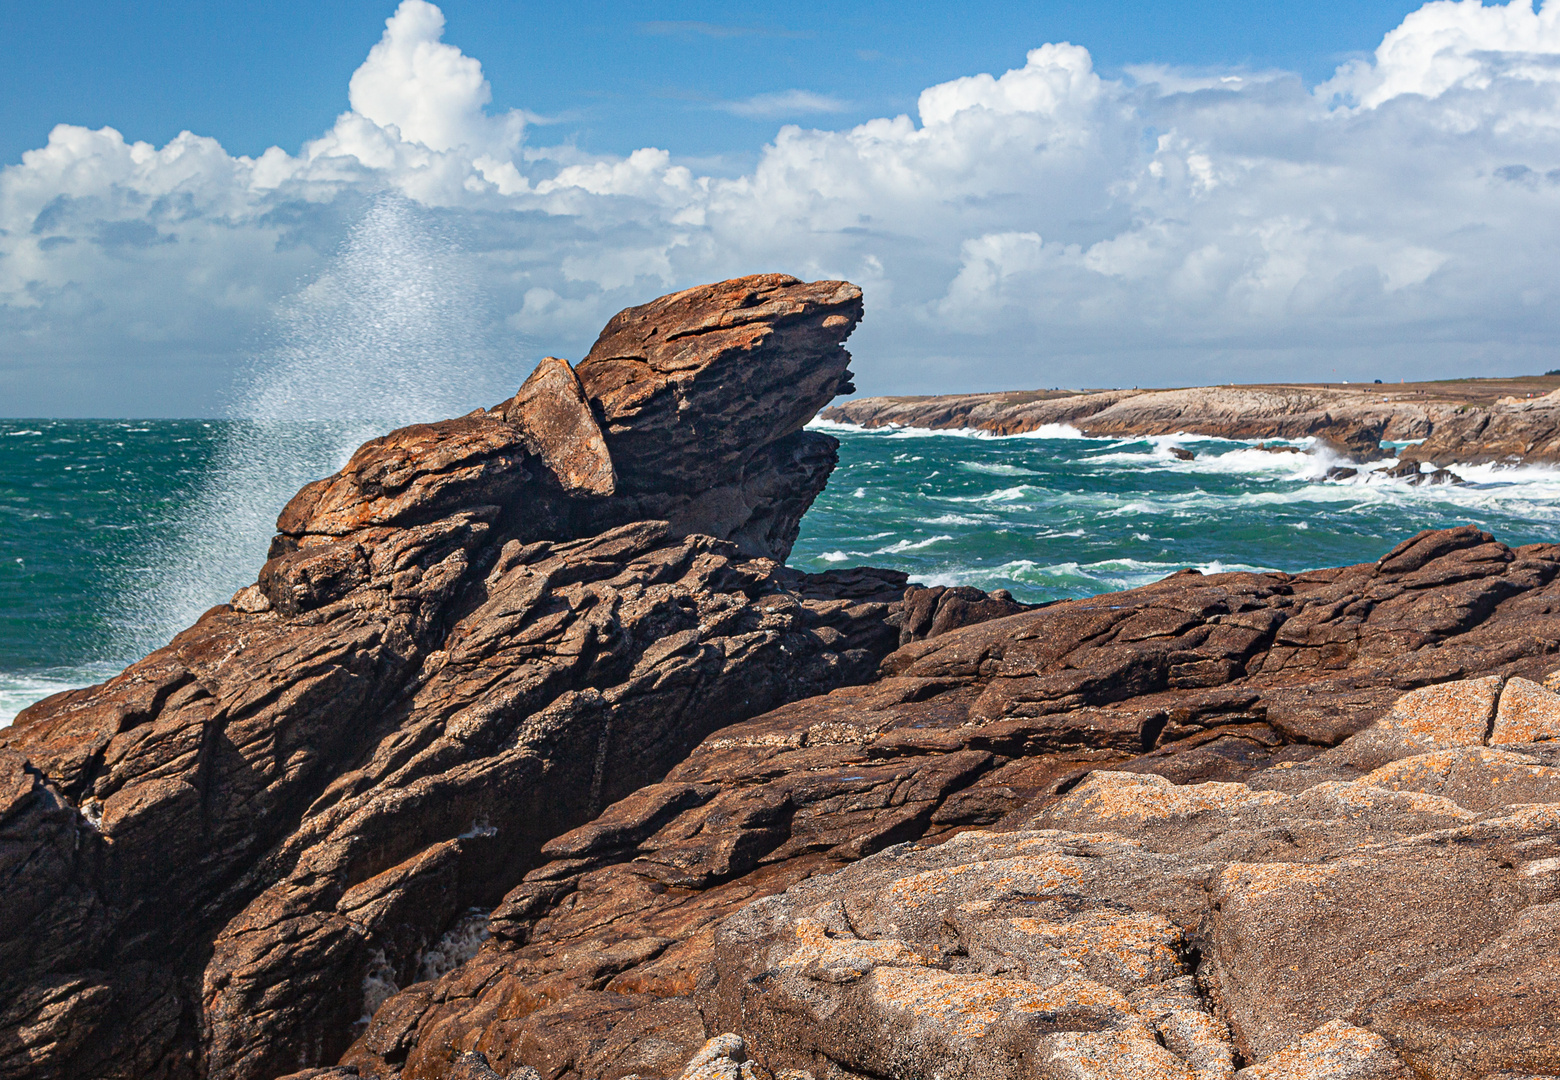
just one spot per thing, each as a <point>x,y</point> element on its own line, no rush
<point>1096,839</point>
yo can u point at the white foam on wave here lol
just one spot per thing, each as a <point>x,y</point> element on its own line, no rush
<point>1526,491</point>
<point>1241,459</point>
<point>894,431</point>
<point>818,423</point>
<point>21,689</point>
<point>1103,576</point>
<point>911,545</point>
<point>1310,467</point>
<point>955,519</point>
<point>1052,431</point>
<point>1009,494</point>
<point>996,468</point>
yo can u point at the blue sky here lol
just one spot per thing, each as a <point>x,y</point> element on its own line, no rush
<point>1067,194</point>
<point>612,76</point>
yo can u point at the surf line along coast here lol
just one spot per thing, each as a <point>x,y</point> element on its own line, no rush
<point>527,751</point>
<point>1463,421</point>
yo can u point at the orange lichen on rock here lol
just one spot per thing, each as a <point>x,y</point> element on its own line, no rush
<point>1367,794</point>
<point>841,958</point>
<point>965,1005</point>
<point>1444,715</point>
<point>1334,1051</point>
<point>1476,777</point>
<point>1528,712</point>
<point>1132,1054</point>
<point>1142,946</point>
<point>1253,881</point>
<point>1146,797</point>
<point>1026,875</point>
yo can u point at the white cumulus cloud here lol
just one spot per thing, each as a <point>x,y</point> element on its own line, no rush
<point>1041,226</point>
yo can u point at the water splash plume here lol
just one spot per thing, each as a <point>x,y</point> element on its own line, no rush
<point>393,332</point>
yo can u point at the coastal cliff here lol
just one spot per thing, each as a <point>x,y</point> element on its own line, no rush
<point>526,756</point>
<point>1468,421</point>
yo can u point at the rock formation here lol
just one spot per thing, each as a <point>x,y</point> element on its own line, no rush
<point>1155,738</point>
<point>1512,430</point>
<point>469,640</point>
<point>526,757</point>
<point>1463,421</point>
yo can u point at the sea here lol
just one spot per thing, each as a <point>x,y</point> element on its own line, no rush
<point>106,547</point>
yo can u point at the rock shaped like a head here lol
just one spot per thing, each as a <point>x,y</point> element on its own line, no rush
<point>692,386</point>
<point>688,410</point>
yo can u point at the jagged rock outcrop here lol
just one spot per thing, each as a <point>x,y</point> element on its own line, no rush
<point>1512,430</point>
<point>1351,424</point>
<point>1215,698</point>
<point>471,639</point>
<point>1462,421</point>
<point>526,757</point>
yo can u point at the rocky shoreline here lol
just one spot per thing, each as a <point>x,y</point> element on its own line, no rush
<point>1466,421</point>
<point>526,756</point>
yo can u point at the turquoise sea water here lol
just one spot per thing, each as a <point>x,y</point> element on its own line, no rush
<point>94,514</point>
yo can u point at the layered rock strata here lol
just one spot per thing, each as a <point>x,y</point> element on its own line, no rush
<point>526,757</point>
<point>1131,748</point>
<point>1457,422</point>
<point>471,639</point>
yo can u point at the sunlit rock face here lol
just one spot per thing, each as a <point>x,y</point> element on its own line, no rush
<point>473,637</point>
<point>526,751</point>
<point>1299,824</point>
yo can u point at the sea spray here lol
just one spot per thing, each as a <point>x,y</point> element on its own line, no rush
<point>392,332</point>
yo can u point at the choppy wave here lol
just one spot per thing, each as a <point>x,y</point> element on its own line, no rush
<point>89,506</point>
<point>1104,576</point>
<point>1068,516</point>
<point>19,690</point>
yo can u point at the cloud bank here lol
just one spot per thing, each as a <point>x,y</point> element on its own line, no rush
<point>1045,226</point>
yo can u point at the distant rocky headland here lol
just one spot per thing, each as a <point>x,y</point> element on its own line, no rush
<point>1463,421</point>
<point>527,757</point>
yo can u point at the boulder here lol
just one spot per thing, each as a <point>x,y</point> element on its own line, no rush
<point>1527,712</point>
<point>1147,928</point>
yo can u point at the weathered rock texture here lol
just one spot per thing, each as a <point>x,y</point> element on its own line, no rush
<point>1467,421</point>
<point>526,757</point>
<point>1198,714</point>
<point>1396,923</point>
<point>471,639</point>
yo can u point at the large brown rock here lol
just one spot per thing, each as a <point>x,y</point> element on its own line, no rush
<point>1210,701</point>
<point>471,639</point>
<point>692,386</point>
<point>702,395</point>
